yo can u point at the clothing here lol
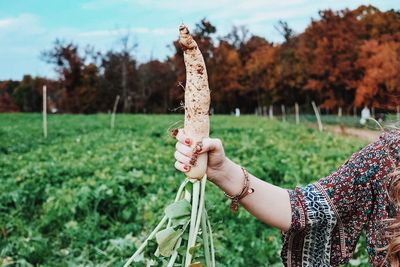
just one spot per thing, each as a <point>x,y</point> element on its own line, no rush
<point>329,215</point>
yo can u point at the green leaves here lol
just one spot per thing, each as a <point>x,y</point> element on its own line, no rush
<point>166,240</point>
<point>178,212</point>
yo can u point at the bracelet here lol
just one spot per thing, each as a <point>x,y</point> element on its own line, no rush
<point>245,191</point>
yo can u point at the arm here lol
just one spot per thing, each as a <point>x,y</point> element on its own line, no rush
<point>269,203</point>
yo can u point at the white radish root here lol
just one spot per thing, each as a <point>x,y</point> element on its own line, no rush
<point>197,98</point>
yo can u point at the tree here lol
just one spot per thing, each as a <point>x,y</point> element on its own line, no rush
<point>284,29</point>
<point>377,24</point>
<point>88,92</point>
<point>69,64</point>
<point>225,81</point>
<point>156,81</point>
<point>7,103</point>
<point>26,95</point>
<point>120,77</point>
<point>328,49</point>
<point>260,72</point>
<point>237,37</point>
<point>380,84</point>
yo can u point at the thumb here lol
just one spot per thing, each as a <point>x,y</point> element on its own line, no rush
<point>210,145</point>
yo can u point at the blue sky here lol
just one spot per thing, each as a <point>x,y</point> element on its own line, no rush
<point>28,27</point>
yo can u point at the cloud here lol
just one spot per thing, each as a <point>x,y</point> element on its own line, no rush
<point>121,32</point>
<point>185,6</point>
<point>275,15</point>
<point>23,23</point>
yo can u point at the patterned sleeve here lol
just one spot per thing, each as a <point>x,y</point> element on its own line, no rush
<point>329,215</point>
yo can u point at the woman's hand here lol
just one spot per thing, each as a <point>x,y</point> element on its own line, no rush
<point>268,203</point>
<point>186,155</point>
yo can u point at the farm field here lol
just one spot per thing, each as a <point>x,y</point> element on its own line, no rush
<point>87,194</point>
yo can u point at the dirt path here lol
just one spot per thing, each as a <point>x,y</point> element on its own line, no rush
<point>365,134</point>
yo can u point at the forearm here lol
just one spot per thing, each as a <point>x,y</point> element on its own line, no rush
<point>269,203</point>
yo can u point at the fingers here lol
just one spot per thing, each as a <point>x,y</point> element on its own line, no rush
<point>185,155</point>
<point>208,144</point>
<point>182,158</point>
<point>182,138</point>
<point>181,167</point>
<point>184,143</point>
<point>185,150</point>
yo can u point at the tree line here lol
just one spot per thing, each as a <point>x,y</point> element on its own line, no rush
<point>346,58</point>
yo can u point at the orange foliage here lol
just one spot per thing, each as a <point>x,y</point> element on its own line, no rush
<point>380,84</point>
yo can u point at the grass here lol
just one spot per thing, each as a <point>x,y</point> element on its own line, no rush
<point>87,194</point>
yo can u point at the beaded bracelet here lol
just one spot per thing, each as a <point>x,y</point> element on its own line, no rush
<point>245,191</point>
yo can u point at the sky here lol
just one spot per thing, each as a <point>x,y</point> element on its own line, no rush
<point>28,27</point>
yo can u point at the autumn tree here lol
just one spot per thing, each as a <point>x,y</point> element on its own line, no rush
<point>157,79</point>
<point>290,73</point>
<point>68,63</point>
<point>328,49</point>
<point>378,24</point>
<point>225,80</point>
<point>7,103</point>
<point>259,70</point>
<point>27,95</point>
<point>120,77</point>
<point>380,84</point>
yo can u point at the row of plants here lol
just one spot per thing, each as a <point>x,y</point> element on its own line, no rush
<point>88,195</point>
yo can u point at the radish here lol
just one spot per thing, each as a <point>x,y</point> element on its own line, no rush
<point>187,212</point>
<point>197,98</point>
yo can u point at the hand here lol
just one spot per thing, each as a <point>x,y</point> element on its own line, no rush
<point>186,155</point>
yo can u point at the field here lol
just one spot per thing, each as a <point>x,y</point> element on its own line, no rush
<point>87,194</point>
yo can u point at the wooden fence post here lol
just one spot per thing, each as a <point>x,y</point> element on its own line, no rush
<point>114,111</point>
<point>296,108</point>
<point>317,115</point>
<point>44,111</point>
<point>271,112</point>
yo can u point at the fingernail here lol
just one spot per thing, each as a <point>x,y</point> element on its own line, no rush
<point>187,141</point>
<point>193,161</point>
<point>174,132</point>
<point>187,168</point>
<point>198,147</point>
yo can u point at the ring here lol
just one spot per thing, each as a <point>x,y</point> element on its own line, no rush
<point>198,147</point>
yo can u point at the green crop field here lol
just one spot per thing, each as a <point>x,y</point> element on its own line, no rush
<point>87,195</point>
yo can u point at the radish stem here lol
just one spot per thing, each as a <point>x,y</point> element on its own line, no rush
<point>141,248</point>
<point>175,254</point>
<point>204,230</point>
<point>211,239</point>
<point>195,202</point>
<point>200,208</point>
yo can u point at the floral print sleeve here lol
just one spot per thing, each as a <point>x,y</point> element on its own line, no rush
<point>329,215</point>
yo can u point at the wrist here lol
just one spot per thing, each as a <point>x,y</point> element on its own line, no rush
<point>231,178</point>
